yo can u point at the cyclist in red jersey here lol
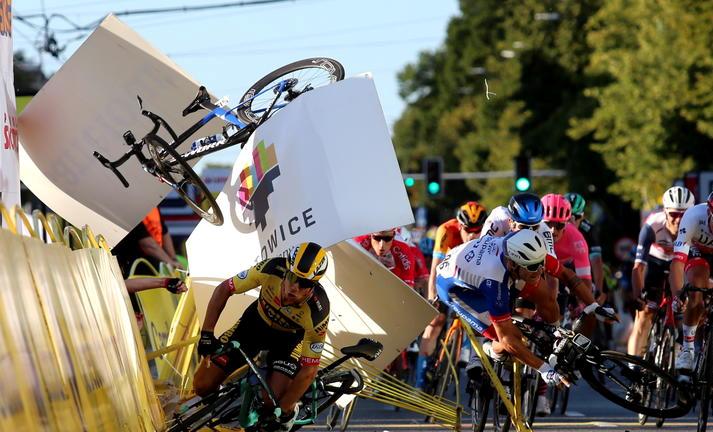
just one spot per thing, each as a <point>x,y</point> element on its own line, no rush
<point>395,255</point>
<point>420,270</point>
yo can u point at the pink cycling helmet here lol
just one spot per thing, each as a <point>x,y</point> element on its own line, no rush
<point>557,208</point>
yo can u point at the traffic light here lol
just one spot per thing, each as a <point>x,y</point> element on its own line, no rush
<point>523,183</point>
<point>409,181</point>
<point>433,172</point>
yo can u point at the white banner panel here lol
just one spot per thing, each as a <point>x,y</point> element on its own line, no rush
<point>322,169</point>
<point>9,178</point>
<point>88,105</point>
<point>366,300</point>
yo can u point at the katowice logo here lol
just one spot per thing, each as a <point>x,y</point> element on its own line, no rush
<point>256,185</point>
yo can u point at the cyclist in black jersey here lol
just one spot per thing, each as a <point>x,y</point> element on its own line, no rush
<point>292,310</point>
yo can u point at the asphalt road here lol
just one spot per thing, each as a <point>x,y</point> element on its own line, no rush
<point>587,411</point>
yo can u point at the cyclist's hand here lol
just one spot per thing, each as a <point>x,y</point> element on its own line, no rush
<point>175,285</point>
<point>677,304</point>
<point>207,344</point>
<point>605,314</point>
<point>551,377</point>
<point>435,302</point>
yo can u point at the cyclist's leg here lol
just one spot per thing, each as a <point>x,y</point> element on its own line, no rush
<point>697,273</point>
<point>214,369</point>
<point>652,292</point>
<point>283,361</point>
<point>429,340</point>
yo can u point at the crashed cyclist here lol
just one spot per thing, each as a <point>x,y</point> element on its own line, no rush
<point>475,280</point>
<point>291,310</point>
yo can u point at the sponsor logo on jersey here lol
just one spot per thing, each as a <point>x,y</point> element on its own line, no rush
<point>243,274</point>
<point>316,347</point>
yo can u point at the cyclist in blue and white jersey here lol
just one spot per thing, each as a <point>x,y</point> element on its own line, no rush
<point>475,280</point>
<point>653,258</point>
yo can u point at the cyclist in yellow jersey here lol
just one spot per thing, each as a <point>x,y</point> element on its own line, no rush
<point>292,308</point>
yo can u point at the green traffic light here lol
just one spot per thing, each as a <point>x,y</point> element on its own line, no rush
<point>522,184</point>
<point>434,188</point>
<point>409,181</point>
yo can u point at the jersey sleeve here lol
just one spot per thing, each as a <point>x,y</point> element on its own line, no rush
<point>315,335</point>
<point>496,223</point>
<point>442,241</point>
<point>421,271</point>
<point>646,239</point>
<point>687,229</point>
<point>247,280</point>
<point>498,296</point>
<point>582,267</point>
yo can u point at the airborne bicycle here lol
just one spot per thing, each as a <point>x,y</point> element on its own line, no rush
<point>259,103</point>
<point>243,402</point>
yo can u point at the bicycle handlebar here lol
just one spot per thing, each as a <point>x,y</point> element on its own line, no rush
<point>108,164</point>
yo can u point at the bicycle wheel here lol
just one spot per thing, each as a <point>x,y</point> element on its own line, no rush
<point>704,379</point>
<point>445,372</point>
<point>202,412</point>
<point>169,166</point>
<point>480,395</point>
<point>650,356</point>
<point>529,395</point>
<point>665,352</point>
<point>564,400</point>
<point>310,73</point>
<point>611,375</point>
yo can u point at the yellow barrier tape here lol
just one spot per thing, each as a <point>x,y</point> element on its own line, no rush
<point>9,221</point>
<point>20,212</point>
<point>70,233</point>
<point>39,216</point>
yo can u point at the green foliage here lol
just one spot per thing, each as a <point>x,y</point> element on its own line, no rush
<point>618,93</point>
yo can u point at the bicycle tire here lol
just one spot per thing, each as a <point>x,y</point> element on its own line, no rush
<point>665,359</point>
<point>591,371</point>
<point>204,414</point>
<point>529,395</point>
<point>159,150</point>
<point>479,403</point>
<point>564,400</point>
<point>251,112</point>
<point>446,375</point>
<point>704,379</point>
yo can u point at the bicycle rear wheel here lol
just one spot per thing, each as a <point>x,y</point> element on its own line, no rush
<point>612,376</point>
<point>310,73</point>
<point>664,394</point>
<point>501,416</point>
<point>530,385</point>
<point>171,165</point>
<point>480,394</point>
<point>704,379</point>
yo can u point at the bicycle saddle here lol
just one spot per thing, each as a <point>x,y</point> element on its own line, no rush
<point>201,98</point>
<point>365,348</point>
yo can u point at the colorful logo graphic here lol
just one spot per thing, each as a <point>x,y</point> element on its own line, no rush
<point>256,184</point>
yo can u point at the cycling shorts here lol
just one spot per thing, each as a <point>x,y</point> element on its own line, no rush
<point>255,335</point>
<point>469,304</point>
<point>655,280</point>
<point>697,258</point>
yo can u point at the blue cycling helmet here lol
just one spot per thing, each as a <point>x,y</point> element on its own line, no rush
<point>525,208</point>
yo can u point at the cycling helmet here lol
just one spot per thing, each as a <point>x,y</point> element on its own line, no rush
<point>308,261</point>
<point>525,248</point>
<point>472,215</point>
<point>557,208</point>
<point>678,198</point>
<point>577,202</point>
<point>525,208</point>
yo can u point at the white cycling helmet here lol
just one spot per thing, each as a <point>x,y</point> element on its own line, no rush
<point>678,198</point>
<point>526,248</point>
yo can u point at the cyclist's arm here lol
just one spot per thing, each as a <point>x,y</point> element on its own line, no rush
<point>439,254</point>
<point>637,279</point>
<point>597,271</point>
<point>676,275</point>
<point>580,288</point>
<point>432,278</point>
<point>240,283</point>
<point>511,338</point>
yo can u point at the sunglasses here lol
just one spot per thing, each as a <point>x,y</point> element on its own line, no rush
<point>533,267</point>
<point>675,214</point>
<point>384,238</point>
<point>555,225</point>
<point>302,282</point>
<point>473,230</point>
<point>519,226</point>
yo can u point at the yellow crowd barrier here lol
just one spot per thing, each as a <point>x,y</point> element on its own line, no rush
<point>69,345</point>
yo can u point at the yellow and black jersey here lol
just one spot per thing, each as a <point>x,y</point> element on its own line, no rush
<point>312,315</point>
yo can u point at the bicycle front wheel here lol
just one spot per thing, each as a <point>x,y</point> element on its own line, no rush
<point>173,170</point>
<point>625,380</point>
<point>480,395</point>
<point>704,378</point>
<point>310,73</point>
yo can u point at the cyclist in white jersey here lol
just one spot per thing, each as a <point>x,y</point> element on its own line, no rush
<point>693,255</point>
<point>653,258</point>
<point>474,280</point>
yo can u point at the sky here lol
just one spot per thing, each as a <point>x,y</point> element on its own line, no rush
<point>229,49</point>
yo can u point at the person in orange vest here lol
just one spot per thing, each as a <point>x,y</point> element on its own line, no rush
<point>162,248</point>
